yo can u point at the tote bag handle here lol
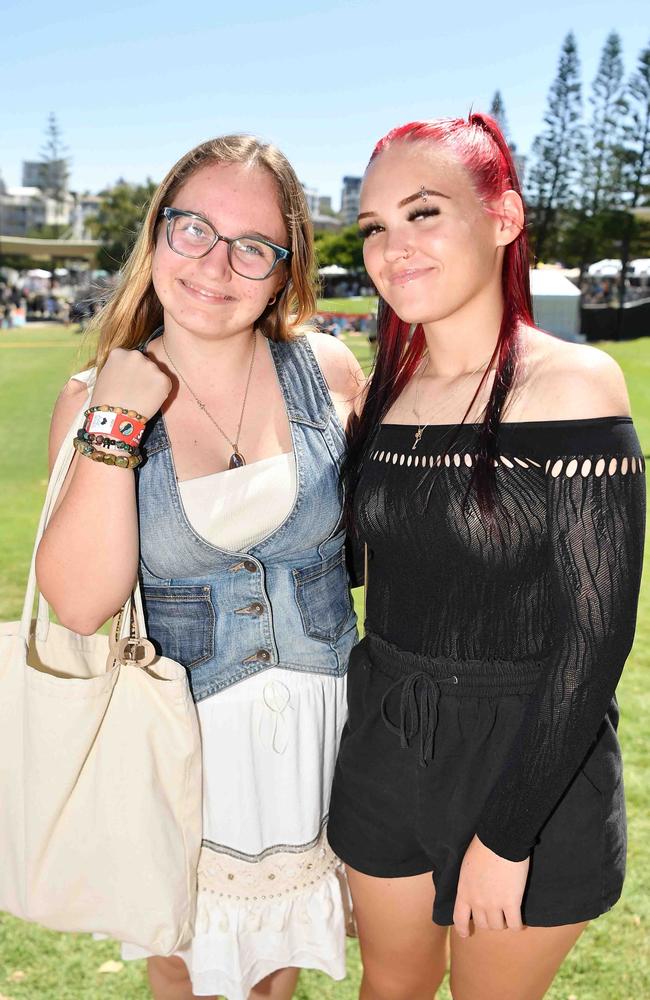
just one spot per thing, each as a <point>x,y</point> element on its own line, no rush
<point>129,620</point>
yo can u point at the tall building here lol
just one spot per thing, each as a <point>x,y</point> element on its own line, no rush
<point>350,199</point>
<point>37,174</point>
<point>23,209</point>
<point>325,204</point>
<point>311,194</point>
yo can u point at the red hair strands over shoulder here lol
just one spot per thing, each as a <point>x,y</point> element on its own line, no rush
<point>479,145</point>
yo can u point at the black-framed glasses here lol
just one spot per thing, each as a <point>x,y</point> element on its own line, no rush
<point>190,235</point>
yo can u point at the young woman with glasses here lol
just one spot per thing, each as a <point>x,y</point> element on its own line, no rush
<point>233,524</point>
<point>496,480</point>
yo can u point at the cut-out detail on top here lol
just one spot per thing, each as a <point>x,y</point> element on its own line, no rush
<point>568,467</point>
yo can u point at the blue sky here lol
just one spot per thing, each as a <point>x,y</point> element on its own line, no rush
<point>135,87</point>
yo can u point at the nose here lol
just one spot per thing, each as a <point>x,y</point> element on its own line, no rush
<point>397,246</point>
<point>216,262</point>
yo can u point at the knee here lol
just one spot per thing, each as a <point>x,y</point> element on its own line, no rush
<point>399,984</point>
<point>169,971</point>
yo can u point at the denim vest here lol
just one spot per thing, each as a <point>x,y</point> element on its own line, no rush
<point>286,601</point>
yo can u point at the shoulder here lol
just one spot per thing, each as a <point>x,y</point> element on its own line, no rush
<point>340,368</point>
<point>69,402</point>
<point>566,381</point>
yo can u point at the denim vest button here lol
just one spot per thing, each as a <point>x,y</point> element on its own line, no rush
<point>244,564</point>
<point>251,609</point>
<point>261,656</point>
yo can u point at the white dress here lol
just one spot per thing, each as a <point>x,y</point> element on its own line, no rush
<point>271,892</point>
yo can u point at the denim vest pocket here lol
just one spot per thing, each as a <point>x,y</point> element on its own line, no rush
<point>323,597</point>
<point>180,621</point>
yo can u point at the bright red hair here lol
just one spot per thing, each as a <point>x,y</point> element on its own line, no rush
<point>479,145</point>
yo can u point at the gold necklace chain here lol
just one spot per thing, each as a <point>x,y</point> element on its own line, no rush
<point>236,459</point>
<point>422,427</point>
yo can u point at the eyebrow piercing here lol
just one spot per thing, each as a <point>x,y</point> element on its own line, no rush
<point>424,194</point>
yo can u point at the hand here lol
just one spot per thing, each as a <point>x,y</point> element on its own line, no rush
<point>490,890</point>
<point>131,380</point>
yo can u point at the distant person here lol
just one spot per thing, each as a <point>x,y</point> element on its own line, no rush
<point>234,526</point>
<point>496,482</point>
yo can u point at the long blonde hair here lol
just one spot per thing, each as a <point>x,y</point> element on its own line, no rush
<point>134,311</point>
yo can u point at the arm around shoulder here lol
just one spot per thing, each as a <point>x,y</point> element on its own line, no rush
<point>342,372</point>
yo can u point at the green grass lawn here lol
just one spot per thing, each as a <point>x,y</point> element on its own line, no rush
<point>611,962</point>
<point>357,306</point>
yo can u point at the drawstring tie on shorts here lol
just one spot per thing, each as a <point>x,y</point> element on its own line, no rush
<point>418,710</point>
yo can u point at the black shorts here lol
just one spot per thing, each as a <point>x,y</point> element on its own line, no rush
<point>391,817</point>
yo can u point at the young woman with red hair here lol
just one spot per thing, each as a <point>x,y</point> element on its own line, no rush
<point>496,481</point>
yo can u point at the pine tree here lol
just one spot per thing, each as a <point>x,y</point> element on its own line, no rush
<point>605,173</point>
<point>56,163</point>
<point>636,169</point>
<point>557,152</point>
<point>498,112</point>
<point>596,221</point>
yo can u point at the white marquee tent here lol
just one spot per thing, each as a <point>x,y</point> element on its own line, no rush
<point>608,268</point>
<point>556,303</point>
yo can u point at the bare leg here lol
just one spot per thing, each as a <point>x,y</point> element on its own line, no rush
<point>509,965</point>
<point>279,985</point>
<point>169,979</point>
<point>404,953</point>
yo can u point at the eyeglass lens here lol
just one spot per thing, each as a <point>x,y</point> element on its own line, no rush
<point>193,237</point>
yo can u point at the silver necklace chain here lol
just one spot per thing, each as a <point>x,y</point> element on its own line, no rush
<point>422,427</point>
<point>236,459</point>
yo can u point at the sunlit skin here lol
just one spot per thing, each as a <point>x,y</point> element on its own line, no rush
<point>204,296</point>
<point>437,259</point>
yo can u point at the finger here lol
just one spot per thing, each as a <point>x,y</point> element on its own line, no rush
<point>512,915</point>
<point>462,913</point>
<point>480,918</point>
<point>496,920</point>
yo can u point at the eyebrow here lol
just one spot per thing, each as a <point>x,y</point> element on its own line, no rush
<point>412,197</point>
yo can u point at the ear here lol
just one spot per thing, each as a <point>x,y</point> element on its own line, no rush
<point>509,217</point>
<point>281,277</point>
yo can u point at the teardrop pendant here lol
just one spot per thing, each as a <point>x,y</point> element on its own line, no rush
<point>236,460</point>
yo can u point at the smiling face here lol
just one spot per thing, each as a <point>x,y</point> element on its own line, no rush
<point>430,246</point>
<point>204,296</point>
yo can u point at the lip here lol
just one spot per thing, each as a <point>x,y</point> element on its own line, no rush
<point>406,275</point>
<point>208,295</point>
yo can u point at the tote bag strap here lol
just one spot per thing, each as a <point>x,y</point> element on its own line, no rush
<point>57,478</point>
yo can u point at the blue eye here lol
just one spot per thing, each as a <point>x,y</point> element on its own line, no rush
<point>195,229</point>
<point>251,249</point>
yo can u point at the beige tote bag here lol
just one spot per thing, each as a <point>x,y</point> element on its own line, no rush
<point>100,775</point>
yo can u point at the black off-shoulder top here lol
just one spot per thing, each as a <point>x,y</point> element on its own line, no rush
<point>553,576</point>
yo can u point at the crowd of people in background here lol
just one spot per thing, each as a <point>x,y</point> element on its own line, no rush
<point>65,299</point>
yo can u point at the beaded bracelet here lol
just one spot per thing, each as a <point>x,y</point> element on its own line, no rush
<point>106,442</point>
<point>105,408</point>
<point>121,461</point>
